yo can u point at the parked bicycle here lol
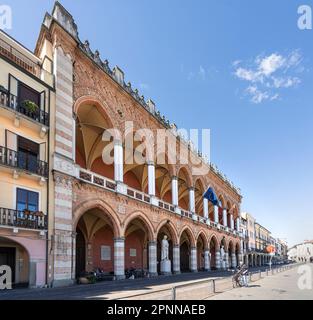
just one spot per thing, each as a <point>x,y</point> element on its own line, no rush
<point>240,278</point>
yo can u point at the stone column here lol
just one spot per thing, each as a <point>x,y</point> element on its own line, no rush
<point>233,260</point>
<point>225,217</point>
<point>118,161</point>
<point>153,259</point>
<point>151,179</point>
<point>119,167</point>
<point>226,260</point>
<point>119,260</point>
<point>176,259</point>
<point>193,259</point>
<point>238,224</point>
<point>207,260</point>
<point>232,222</point>
<point>174,191</point>
<point>218,260</point>
<point>205,208</point>
<point>216,214</point>
<point>192,200</point>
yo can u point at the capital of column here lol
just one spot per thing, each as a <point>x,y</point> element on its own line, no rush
<point>120,239</point>
<point>150,163</point>
<point>174,178</point>
<point>118,142</point>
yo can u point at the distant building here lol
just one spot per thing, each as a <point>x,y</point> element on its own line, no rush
<point>302,252</point>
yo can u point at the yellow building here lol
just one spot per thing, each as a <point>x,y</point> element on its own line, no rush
<point>262,237</point>
<point>26,94</point>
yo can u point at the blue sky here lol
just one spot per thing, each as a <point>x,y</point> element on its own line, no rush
<point>241,68</point>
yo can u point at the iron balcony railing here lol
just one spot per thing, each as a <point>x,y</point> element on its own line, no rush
<point>10,101</point>
<point>23,219</point>
<point>24,161</point>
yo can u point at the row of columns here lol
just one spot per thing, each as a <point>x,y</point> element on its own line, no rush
<point>119,261</point>
<point>119,174</point>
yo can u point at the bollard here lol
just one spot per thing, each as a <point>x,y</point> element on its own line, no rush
<point>260,273</point>
<point>214,288</point>
<point>174,293</point>
<point>267,272</point>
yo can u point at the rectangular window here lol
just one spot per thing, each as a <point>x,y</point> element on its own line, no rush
<point>27,93</point>
<point>105,253</point>
<point>26,200</point>
<point>28,154</point>
<point>133,252</point>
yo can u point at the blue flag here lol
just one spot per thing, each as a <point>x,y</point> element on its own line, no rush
<point>211,196</point>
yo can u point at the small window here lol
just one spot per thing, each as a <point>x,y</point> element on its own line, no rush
<point>132,252</point>
<point>105,253</point>
<point>26,200</point>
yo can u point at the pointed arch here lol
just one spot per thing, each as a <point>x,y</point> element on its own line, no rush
<point>190,235</point>
<point>138,215</point>
<point>171,228</point>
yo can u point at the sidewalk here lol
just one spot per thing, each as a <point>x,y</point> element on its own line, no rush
<point>281,286</point>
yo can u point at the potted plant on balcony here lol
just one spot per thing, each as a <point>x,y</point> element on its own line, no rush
<point>30,106</point>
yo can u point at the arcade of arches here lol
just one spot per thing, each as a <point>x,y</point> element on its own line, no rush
<point>100,243</point>
<point>104,241</point>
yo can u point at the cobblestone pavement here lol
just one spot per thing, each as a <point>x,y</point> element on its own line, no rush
<point>281,286</point>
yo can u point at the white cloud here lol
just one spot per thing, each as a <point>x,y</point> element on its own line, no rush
<point>270,64</point>
<point>285,82</point>
<point>267,74</point>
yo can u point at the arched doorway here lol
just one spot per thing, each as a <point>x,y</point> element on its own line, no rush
<point>214,247</point>
<point>165,230</point>
<point>201,247</point>
<point>16,257</point>
<point>231,251</point>
<point>239,257</point>
<point>80,253</point>
<point>137,237</point>
<point>94,243</point>
<point>186,244</point>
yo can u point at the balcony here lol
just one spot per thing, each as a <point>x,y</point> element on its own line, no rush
<point>23,161</point>
<point>108,184</point>
<point>10,101</point>
<point>25,62</point>
<point>23,219</point>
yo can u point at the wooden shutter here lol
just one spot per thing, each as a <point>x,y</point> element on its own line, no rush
<point>11,140</point>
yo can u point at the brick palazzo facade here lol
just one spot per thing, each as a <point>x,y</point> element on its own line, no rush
<point>114,216</point>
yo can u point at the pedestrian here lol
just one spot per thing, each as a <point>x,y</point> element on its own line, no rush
<point>245,275</point>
